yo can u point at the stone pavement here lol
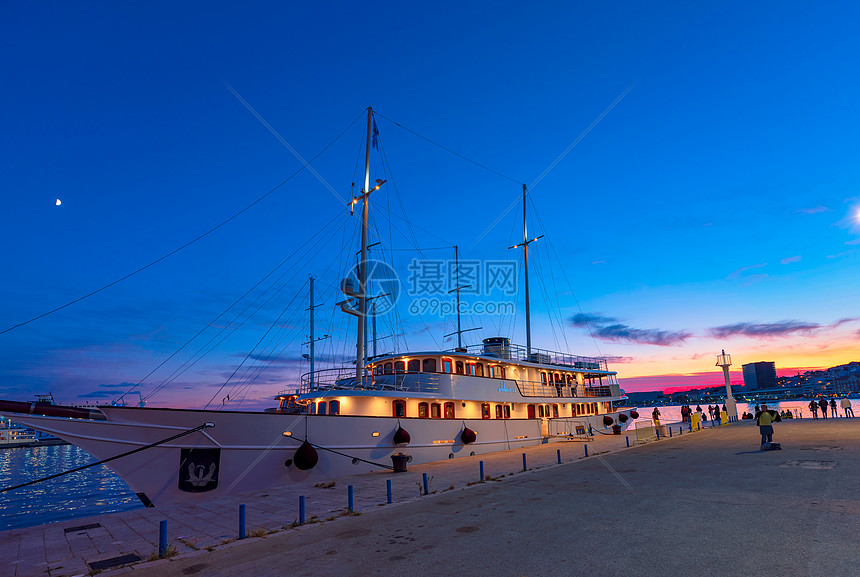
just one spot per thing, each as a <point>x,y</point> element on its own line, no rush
<point>708,501</point>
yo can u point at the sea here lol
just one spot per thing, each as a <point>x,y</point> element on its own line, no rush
<point>97,490</point>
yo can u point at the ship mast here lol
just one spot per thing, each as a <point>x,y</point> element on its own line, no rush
<point>360,293</point>
<point>525,244</point>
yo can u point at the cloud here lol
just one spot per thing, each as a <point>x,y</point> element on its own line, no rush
<point>790,259</point>
<point>598,261</point>
<point>764,330</point>
<point>585,319</point>
<point>610,329</point>
<point>843,253</point>
<point>813,210</point>
<point>97,395</point>
<point>853,242</point>
<point>737,274</point>
<point>623,333</point>
<point>619,360</point>
<point>122,385</point>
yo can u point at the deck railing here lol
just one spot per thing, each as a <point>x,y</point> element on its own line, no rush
<point>514,352</point>
<point>420,382</point>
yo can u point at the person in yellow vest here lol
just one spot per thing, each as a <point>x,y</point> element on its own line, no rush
<point>765,426</point>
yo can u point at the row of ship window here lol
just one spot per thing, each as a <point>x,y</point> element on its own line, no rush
<point>448,366</point>
<point>446,410</point>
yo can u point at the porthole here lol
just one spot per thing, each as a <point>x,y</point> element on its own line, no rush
<point>472,454</point>
<point>450,455</point>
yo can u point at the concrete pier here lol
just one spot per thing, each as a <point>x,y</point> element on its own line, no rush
<point>703,503</point>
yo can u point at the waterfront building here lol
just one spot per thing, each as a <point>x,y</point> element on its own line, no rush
<point>760,375</point>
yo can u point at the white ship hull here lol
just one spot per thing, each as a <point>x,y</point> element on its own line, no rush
<point>253,450</point>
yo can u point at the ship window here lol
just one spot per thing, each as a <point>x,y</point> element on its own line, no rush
<point>485,410</point>
<point>498,411</point>
<point>399,408</point>
<point>507,412</point>
<point>388,368</point>
<point>540,410</point>
<point>399,366</point>
<point>312,409</point>
<point>446,365</point>
<point>414,366</point>
<point>423,410</point>
<point>491,371</point>
<point>321,409</point>
<point>555,411</point>
<point>435,411</point>
<point>546,410</point>
<point>501,372</point>
<point>543,377</point>
<point>470,368</point>
<point>459,367</point>
<point>430,365</point>
<point>334,408</point>
<point>569,380</point>
<point>480,369</point>
<point>531,411</point>
<point>449,410</point>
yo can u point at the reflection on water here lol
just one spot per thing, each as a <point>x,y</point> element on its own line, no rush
<point>799,407</point>
<point>92,491</point>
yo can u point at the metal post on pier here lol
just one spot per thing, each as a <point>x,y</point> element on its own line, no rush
<point>301,509</point>
<point>162,539</point>
<point>426,485</point>
<point>241,521</point>
<point>481,470</point>
<point>388,490</point>
<point>350,499</point>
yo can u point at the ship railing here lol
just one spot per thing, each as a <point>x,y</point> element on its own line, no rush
<point>514,352</point>
<point>563,390</point>
<point>345,380</point>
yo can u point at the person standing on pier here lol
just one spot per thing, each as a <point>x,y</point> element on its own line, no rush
<point>823,404</point>
<point>813,406</point>
<point>833,412</point>
<point>655,414</point>
<point>765,426</point>
<point>846,407</point>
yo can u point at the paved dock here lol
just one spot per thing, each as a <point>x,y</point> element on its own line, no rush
<point>708,502</point>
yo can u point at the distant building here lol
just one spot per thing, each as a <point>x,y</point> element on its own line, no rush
<point>761,375</point>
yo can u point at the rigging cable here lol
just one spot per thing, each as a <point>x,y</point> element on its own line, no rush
<point>186,245</point>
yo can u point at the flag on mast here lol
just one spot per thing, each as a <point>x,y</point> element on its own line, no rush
<point>374,136</point>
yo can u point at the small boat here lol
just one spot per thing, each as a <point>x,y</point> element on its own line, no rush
<point>384,412</point>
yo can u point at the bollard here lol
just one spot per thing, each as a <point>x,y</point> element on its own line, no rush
<point>680,429</point>
<point>558,454</point>
<point>524,463</point>
<point>301,509</point>
<point>162,539</point>
<point>349,499</point>
<point>628,441</point>
<point>426,485</point>
<point>241,521</point>
<point>586,450</point>
<point>670,431</point>
<point>481,468</point>
<point>656,430</point>
<point>388,490</point>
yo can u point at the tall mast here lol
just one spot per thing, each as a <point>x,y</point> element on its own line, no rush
<point>362,265</point>
<point>525,244</point>
<point>312,333</point>
<point>526,262</point>
<point>457,288</point>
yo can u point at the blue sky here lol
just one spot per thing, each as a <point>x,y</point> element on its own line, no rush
<point>714,206</point>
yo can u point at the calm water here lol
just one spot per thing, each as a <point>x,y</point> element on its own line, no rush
<point>98,490</point>
<point>92,491</point>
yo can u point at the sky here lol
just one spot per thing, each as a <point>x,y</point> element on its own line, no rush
<point>692,168</point>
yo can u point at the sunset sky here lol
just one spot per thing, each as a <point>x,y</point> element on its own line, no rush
<point>693,167</point>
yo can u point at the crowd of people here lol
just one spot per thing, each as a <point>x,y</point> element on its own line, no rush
<point>822,405</point>
<point>714,413</point>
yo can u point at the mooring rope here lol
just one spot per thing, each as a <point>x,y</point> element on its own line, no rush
<point>206,425</point>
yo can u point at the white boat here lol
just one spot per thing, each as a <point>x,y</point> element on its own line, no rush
<point>384,412</point>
